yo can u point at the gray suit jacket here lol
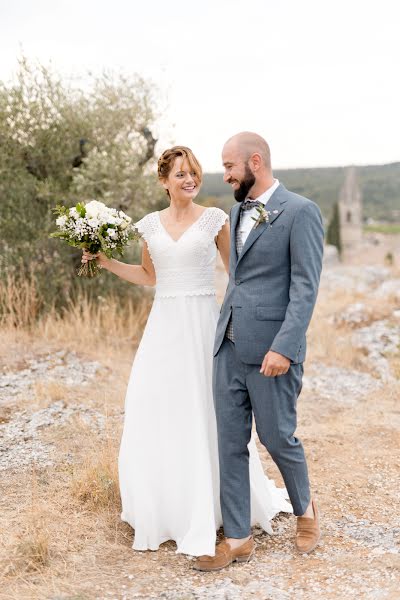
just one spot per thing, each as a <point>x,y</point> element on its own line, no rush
<point>273,285</point>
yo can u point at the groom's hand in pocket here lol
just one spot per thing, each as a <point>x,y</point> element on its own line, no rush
<point>274,364</point>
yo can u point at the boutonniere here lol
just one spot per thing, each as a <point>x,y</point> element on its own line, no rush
<point>263,216</point>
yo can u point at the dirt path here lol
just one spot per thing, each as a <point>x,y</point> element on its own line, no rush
<point>60,530</point>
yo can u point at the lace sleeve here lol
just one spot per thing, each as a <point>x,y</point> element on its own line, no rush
<point>147,226</point>
<point>214,220</point>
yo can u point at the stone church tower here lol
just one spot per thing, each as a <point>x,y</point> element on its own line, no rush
<point>350,214</point>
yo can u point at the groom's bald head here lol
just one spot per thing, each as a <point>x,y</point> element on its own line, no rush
<point>248,143</point>
<point>247,165</point>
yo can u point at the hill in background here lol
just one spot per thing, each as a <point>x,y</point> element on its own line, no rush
<point>380,186</point>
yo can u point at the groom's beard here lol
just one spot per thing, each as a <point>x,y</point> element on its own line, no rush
<point>245,185</point>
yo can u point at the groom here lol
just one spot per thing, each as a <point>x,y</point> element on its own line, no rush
<point>260,346</point>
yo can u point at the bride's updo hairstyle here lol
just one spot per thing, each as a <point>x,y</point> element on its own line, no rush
<point>168,157</point>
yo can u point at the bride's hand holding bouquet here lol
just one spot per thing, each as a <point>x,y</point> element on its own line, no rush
<point>100,232</point>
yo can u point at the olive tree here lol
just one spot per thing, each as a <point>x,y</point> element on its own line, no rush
<point>62,142</point>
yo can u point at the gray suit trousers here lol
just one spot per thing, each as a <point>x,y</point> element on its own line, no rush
<point>239,392</point>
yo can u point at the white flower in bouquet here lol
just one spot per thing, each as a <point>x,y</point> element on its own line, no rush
<point>95,208</point>
<point>112,233</point>
<point>95,227</point>
<point>73,212</point>
<point>61,221</point>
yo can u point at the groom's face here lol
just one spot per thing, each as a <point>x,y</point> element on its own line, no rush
<point>237,173</point>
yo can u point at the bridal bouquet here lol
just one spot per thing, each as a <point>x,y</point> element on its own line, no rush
<point>96,228</point>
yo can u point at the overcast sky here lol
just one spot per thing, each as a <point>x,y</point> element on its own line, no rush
<point>318,79</point>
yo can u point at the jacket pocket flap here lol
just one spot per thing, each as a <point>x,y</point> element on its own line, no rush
<point>270,313</point>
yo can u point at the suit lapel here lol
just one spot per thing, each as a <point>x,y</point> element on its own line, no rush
<point>275,208</point>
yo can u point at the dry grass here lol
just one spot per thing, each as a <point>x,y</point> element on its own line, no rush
<point>326,346</point>
<point>81,319</point>
<point>329,338</point>
<point>107,323</point>
<point>31,553</point>
<point>19,302</point>
<point>326,342</point>
<point>47,392</point>
<point>27,545</point>
<point>59,528</point>
<point>104,329</point>
<point>95,482</point>
<point>394,362</point>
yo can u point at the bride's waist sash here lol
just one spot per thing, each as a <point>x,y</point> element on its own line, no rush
<point>173,282</point>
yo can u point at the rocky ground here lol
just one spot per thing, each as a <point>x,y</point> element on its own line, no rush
<point>60,421</point>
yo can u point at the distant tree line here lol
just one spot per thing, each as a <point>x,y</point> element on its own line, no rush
<point>380,188</point>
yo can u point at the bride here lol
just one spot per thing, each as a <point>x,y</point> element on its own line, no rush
<point>168,462</point>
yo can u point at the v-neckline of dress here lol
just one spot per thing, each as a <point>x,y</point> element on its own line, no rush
<point>186,230</point>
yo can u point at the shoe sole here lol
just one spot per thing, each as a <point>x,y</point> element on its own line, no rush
<point>239,559</point>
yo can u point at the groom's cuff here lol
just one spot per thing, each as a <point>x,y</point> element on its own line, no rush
<point>291,353</point>
<point>281,353</point>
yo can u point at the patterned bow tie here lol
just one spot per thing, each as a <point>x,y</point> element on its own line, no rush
<point>249,204</point>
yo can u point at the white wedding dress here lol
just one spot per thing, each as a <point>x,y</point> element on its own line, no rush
<point>168,463</point>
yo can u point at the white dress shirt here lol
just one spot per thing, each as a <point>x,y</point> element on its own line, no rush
<point>246,223</point>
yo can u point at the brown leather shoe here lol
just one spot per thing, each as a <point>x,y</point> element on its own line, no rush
<point>308,532</point>
<point>225,555</point>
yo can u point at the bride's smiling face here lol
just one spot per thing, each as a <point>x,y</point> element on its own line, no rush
<point>182,182</point>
